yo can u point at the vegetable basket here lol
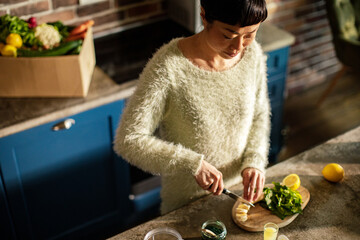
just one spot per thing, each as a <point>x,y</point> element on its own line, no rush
<point>60,76</point>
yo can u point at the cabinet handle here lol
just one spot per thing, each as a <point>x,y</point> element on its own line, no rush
<point>66,124</point>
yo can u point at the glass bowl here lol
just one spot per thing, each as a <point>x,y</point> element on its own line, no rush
<point>163,234</point>
<point>213,230</point>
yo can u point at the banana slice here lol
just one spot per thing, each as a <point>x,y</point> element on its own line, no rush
<point>242,217</point>
<point>241,212</point>
<point>244,206</point>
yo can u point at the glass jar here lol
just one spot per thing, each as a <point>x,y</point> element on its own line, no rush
<point>213,230</point>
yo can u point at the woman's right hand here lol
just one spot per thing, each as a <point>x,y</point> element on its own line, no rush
<point>209,178</point>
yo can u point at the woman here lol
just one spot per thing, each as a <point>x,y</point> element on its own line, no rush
<point>200,114</point>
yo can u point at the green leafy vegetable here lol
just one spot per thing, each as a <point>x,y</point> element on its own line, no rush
<point>13,24</point>
<point>281,200</point>
<point>57,51</point>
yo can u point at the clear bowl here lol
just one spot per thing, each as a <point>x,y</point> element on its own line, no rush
<point>214,226</point>
<point>282,237</point>
<point>163,234</point>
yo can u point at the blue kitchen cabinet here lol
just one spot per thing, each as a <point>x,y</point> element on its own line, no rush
<point>277,62</point>
<point>67,183</point>
<point>6,224</point>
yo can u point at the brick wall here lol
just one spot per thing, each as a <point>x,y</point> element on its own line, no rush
<point>107,14</point>
<point>312,58</point>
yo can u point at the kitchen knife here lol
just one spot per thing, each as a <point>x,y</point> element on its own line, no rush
<point>236,197</point>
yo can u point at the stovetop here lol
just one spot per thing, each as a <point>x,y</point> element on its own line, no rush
<point>123,55</point>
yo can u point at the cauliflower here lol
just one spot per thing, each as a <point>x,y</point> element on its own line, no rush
<point>47,35</point>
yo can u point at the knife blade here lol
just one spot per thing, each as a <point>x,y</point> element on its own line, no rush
<point>236,197</point>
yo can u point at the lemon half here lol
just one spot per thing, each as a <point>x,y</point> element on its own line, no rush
<point>292,181</point>
<point>333,172</point>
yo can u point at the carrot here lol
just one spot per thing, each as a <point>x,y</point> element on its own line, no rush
<point>81,35</point>
<point>82,27</point>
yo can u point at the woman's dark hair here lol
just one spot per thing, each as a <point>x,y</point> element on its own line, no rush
<point>235,12</point>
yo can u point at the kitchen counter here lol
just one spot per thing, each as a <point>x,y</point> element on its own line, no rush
<point>271,37</point>
<point>332,213</point>
<point>18,114</point>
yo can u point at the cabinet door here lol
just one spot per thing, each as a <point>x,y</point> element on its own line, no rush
<point>277,61</point>
<point>6,225</point>
<point>277,71</point>
<point>67,182</point>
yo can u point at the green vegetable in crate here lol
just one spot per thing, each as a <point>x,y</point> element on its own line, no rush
<point>12,24</point>
<point>281,200</point>
<point>56,51</point>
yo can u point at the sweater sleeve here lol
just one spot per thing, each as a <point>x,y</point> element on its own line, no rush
<point>257,147</point>
<point>135,140</point>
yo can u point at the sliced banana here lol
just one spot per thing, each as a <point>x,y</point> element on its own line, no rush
<point>244,206</point>
<point>241,212</point>
<point>242,217</point>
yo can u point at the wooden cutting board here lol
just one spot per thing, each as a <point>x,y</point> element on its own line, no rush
<point>258,216</point>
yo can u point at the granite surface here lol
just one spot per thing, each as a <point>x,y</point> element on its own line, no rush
<point>18,114</point>
<point>271,37</point>
<point>333,211</point>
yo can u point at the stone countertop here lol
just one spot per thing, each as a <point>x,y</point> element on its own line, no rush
<point>271,37</point>
<point>18,114</point>
<point>333,211</point>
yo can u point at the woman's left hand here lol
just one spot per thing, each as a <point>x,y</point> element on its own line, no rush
<point>253,180</point>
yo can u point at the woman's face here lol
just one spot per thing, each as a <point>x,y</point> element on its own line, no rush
<point>229,41</point>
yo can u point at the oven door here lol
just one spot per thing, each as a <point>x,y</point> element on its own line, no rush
<point>145,190</point>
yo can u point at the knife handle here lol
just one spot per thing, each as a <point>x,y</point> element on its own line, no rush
<point>225,191</point>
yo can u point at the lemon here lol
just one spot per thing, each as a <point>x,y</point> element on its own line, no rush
<point>333,172</point>
<point>292,181</point>
<point>14,39</point>
<point>9,51</point>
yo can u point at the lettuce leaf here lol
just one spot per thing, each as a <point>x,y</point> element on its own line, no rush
<point>281,200</point>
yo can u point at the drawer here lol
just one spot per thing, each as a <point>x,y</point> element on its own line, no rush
<point>145,194</point>
<point>65,183</point>
<point>277,61</point>
<point>276,85</point>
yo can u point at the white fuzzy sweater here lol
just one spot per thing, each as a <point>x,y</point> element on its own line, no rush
<point>180,114</point>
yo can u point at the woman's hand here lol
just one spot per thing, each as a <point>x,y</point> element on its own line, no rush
<point>253,179</point>
<point>209,178</point>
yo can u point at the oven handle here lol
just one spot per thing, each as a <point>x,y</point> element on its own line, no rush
<point>146,200</point>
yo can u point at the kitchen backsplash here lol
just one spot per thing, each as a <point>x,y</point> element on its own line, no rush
<point>312,58</point>
<point>108,14</point>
